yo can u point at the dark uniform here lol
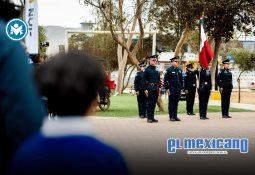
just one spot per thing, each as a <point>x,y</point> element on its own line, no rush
<point>225,82</point>
<point>141,97</point>
<point>190,86</point>
<point>205,87</point>
<point>173,82</point>
<point>152,85</point>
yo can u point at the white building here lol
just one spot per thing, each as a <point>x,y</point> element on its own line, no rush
<point>247,78</point>
<point>56,35</point>
<point>248,41</point>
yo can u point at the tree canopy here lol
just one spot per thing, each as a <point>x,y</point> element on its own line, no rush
<point>244,59</point>
<point>42,38</point>
<point>102,46</point>
<point>223,18</point>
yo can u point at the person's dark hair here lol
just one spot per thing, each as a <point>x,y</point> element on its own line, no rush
<point>8,10</point>
<point>35,58</point>
<point>70,82</point>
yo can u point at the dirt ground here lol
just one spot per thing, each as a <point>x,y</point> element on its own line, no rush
<point>247,97</point>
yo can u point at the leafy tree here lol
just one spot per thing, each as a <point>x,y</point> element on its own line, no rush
<point>42,38</point>
<point>193,41</point>
<point>100,45</point>
<point>76,41</point>
<point>226,48</point>
<point>224,18</point>
<point>176,18</point>
<point>117,19</point>
<point>105,47</point>
<point>246,62</point>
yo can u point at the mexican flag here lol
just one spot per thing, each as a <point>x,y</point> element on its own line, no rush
<point>205,54</point>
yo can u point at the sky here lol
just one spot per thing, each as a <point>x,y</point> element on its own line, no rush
<point>66,13</point>
<point>69,13</point>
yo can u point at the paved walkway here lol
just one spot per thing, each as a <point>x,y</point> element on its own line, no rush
<point>144,144</point>
<point>234,105</point>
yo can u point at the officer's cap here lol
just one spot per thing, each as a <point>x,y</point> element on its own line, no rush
<point>190,65</point>
<point>153,57</point>
<point>176,58</point>
<point>142,64</point>
<point>226,61</point>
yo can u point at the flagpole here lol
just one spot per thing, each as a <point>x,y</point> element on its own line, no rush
<point>216,76</point>
<point>200,23</point>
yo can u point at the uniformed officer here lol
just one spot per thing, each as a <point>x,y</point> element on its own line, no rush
<point>173,84</point>
<point>205,87</point>
<point>151,87</point>
<point>226,86</point>
<point>190,88</point>
<point>141,97</point>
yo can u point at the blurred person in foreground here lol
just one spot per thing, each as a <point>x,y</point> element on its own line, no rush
<point>37,60</point>
<point>21,113</point>
<point>66,146</point>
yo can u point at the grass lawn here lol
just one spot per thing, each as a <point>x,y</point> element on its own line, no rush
<point>126,106</point>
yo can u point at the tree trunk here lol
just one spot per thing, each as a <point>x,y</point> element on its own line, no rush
<point>120,74</point>
<point>239,91</point>
<point>239,87</point>
<point>126,85</point>
<point>109,15</point>
<point>210,41</point>
<point>215,61</point>
<point>160,104</point>
<point>120,79</point>
<point>120,38</point>
<point>122,61</point>
<point>182,41</point>
<point>122,58</point>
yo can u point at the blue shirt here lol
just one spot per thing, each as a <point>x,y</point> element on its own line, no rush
<point>76,153</point>
<point>21,112</point>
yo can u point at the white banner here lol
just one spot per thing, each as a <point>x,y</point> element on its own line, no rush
<point>31,18</point>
